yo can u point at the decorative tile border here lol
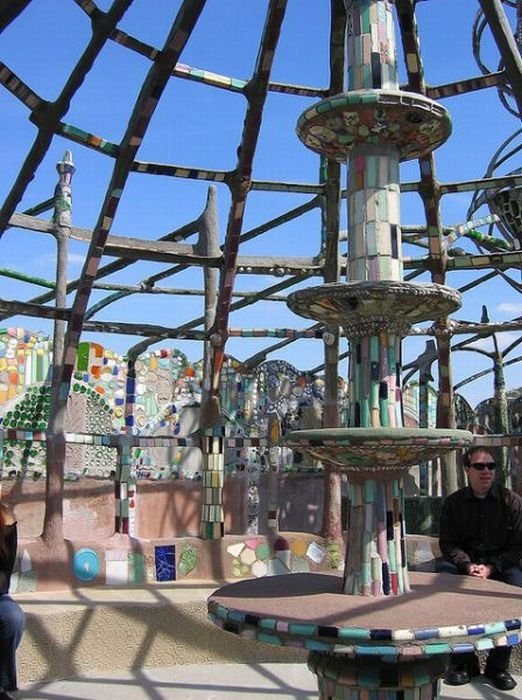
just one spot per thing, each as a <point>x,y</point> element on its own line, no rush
<point>360,642</point>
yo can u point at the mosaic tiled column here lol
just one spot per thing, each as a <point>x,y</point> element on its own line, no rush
<point>122,486</point>
<point>122,481</point>
<point>418,679</point>
<point>376,562</point>
<point>212,514</point>
<point>372,128</point>
<point>274,462</point>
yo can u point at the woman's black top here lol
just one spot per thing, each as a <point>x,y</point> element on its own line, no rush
<point>7,561</point>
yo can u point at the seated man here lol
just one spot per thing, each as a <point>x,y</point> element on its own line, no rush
<point>481,535</point>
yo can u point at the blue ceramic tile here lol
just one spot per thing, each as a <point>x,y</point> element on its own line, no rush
<point>165,557</point>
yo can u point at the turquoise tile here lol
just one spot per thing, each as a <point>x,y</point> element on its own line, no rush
<point>353,633</point>
<point>437,648</point>
<point>269,638</point>
<point>267,623</point>
<point>302,628</point>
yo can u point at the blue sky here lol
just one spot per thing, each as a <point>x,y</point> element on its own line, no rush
<point>200,126</point>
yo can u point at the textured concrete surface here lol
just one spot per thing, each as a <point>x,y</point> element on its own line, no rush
<point>220,682</point>
<point>155,642</point>
<point>103,629</point>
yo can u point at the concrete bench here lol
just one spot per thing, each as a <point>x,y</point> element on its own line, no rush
<point>106,629</point>
<point>155,625</point>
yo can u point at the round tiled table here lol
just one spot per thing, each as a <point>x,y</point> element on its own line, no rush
<point>364,647</point>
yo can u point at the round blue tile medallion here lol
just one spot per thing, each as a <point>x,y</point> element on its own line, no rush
<point>86,564</point>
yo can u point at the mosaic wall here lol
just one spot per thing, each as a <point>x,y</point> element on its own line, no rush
<point>485,415</point>
<point>256,557</point>
<point>410,403</point>
<point>165,393</point>
<point>161,563</point>
<point>158,564</point>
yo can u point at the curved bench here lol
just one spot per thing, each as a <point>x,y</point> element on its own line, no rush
<point>106,629</point>
<point>124,628</point>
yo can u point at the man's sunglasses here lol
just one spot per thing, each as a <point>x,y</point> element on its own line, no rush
<point>480,466</point>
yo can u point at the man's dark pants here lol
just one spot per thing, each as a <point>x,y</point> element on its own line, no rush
<point>498,657</point>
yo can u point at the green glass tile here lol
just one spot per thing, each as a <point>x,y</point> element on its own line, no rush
<point>267,623</point>
<point>437,648</point>
<point>495,628</point>
<point>269,638</point>
<point>338,101</point>
<point>484,643</point>
<point>353,633</point>
<point>421,677</point>
<point>236,616</point>
<point>365,19</point>
<point>263,551</point>
<point>302,628</point>
<point>369,491</point>
<point>324,106</point>
<point>377,651</point>
<point>221,611</point>
<point>136,568</point>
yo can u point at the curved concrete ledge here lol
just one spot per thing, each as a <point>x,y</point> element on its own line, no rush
<point>87,630</point>
<point>106,629</point>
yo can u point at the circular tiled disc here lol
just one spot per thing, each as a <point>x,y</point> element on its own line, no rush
<point>414,124</point>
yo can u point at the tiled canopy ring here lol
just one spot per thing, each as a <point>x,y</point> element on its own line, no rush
<point>377,450</point>
<point>412,123</point>
<point>364,308</point>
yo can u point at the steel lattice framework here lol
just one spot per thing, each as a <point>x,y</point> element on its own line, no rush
<point>75,305</point>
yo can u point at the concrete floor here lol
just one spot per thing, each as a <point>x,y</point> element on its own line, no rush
<point>219,682</point>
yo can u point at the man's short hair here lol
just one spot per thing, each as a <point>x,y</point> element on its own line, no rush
<point>466,457</point>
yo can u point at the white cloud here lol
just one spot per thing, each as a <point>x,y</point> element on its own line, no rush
<point>503,339</point>
<point>510,308</point>
<point>77,260</point>
<point>48,260</point>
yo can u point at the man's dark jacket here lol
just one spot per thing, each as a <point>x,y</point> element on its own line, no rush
<point>482,530</point>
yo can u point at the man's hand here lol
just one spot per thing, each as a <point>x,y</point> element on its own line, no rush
<point>479,570</point>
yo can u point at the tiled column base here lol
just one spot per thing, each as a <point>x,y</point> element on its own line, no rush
<point>376,562</point>
<point>342,678</point>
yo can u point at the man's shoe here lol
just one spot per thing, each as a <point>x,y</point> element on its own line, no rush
<point>461,672</point>
<point>501,679</point>
<point>457,674</point>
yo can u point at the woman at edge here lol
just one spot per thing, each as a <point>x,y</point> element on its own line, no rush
<point>12,617</point>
